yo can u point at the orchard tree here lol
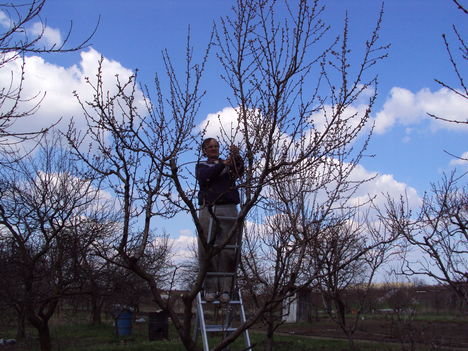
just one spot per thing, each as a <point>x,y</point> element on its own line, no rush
<point>95,275</point>
<point>346,257</point>
<point>437,234</point>
<point>293,95</point>
<point>17,40</point>
<point>313,236</point>
<point>457,60</point>
<point>43,200</point>
<point>10,292</point>
<point>297,141</point>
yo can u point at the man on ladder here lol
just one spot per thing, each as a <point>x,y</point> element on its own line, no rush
<point>218,199</point>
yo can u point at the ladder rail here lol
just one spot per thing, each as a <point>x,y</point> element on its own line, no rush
<point>226,328</point>
<point>243,319</point>
<point>200,323</point>
<point>236,247</point>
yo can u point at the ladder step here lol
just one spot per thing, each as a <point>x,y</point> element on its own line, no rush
<point>226,218</point>
<point>220,274</point>
<point>216,302</point>
<point>235,247</point>
<point>218,328</point>
<point>204,329</point>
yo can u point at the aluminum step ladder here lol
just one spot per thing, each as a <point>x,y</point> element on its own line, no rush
<point>236,302</point>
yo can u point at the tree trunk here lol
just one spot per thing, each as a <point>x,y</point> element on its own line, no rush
<point>352,346</point>
<point>96,309</point>
<point>21,327</point>
<point>41,323</point>
<point>269,342</point>
<point>44,337</point>
<point>341,311</point>
<point>270,332</point>
<point>20,323</point>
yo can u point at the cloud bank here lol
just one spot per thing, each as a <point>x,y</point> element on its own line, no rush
<point>58,84</point>
<point>53,86</point>
<point>49,36</point>
<point>461,161</point>
<point>407,108</point>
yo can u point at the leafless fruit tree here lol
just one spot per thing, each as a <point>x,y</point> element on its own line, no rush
<point>298,138</point>
<point>297,243</point>
<point>458,58</point>
<point>311,236</point>
<point>16,40</point>
<point>437,231</point>
<point>98,279</point>
<point>43,200</point>
<point>346,258</point>
<point>294,98</point>
<point>134,144</point>
<point>436,235</point>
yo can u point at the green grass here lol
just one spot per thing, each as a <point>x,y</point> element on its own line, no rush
<point>419,316</point>
<point>83,337</point>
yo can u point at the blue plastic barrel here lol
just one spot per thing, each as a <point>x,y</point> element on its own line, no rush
<point>124,323</point>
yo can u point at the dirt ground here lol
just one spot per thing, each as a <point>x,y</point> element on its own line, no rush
<point>431,333</point>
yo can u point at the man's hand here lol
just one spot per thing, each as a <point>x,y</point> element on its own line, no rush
<point>234,151</point>
<point>233,155</point>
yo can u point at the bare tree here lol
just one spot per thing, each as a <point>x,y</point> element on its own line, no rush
<point>436,235</point>
<point>346,258</point>
<point>17,40</point>
<point>95,275</point>
<point>292,135</point>
<point>454,58</point>
<point>312,240</point>
<point>272,259</point>
<point>276,254</point>
<point>42,200</point>
<point>457,58</point>
<point>133,151</point>
<point>10,291</point>
<point>286,124</point>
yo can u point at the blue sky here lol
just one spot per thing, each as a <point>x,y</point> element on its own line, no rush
<point>408,146</point>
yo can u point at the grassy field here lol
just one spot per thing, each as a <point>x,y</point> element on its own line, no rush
<point>70,332</point>
<point>83,337</point>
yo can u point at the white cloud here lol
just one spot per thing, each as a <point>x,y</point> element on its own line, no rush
<point>50,36</point>
<point>183,246</point>
<point>222,124</point>
<point>462,161</point>
<point>186,232</point>
<point>5,20</point>
<point>352,116</point>
<point>372,186</point>
<point>381,186</point>
<point>407,108</point>
<point>58,84</point>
